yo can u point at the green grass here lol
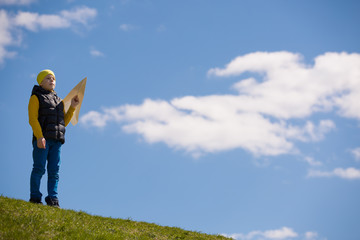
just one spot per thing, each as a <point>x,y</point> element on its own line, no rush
<point>23,220</point>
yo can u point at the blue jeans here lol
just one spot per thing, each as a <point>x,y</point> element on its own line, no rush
<point>52,155</point>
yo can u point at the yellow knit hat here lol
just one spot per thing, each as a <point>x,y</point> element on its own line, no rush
<point>43,74</point>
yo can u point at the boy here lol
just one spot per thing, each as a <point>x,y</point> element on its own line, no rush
<point>48,120</point>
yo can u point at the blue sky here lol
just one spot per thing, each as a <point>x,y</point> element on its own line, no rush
<point>230,117</point>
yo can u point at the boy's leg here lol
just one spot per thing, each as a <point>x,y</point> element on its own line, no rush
<point>53,167</point>
<point>39,159</point>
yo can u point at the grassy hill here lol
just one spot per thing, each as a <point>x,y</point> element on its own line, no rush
<point>23,220</point>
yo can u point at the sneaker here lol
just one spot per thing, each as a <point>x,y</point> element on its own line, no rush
<point>52,202</point>
<point>35,200</point>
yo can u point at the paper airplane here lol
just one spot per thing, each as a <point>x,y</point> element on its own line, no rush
<point>77,90</point>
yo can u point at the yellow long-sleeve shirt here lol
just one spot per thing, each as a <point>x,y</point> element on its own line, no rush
<point>33,109</point>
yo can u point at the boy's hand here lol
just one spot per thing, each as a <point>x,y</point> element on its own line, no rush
<point>41,143</point>
<point>75,101</point>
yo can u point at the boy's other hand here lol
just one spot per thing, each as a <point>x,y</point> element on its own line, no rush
<point>75,101</point>
<point>41,143</point>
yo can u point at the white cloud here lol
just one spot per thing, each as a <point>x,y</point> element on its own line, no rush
<point>35,21</point>
<point>79,15</point>
<point>291,89</point>
<point>285,233</point>
<point>312,162</point>
<point>217,128</point>
<point>16,2</point>
<point>258,118</point>
<point>94,119</point>
<point>282,233</point>
<point>349,173</point>
<point>11,25</point>
<point>356,153</point>
<point>96,53</point>
<point>317,133</point>
<point>6,38</point>
<point>311,235</point>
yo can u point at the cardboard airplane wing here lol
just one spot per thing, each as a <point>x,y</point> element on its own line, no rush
<point>79,90</point>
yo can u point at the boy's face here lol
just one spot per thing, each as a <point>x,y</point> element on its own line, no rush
<point>48,83</point>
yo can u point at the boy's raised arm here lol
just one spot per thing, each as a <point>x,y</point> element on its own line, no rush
<point>69,114</point>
